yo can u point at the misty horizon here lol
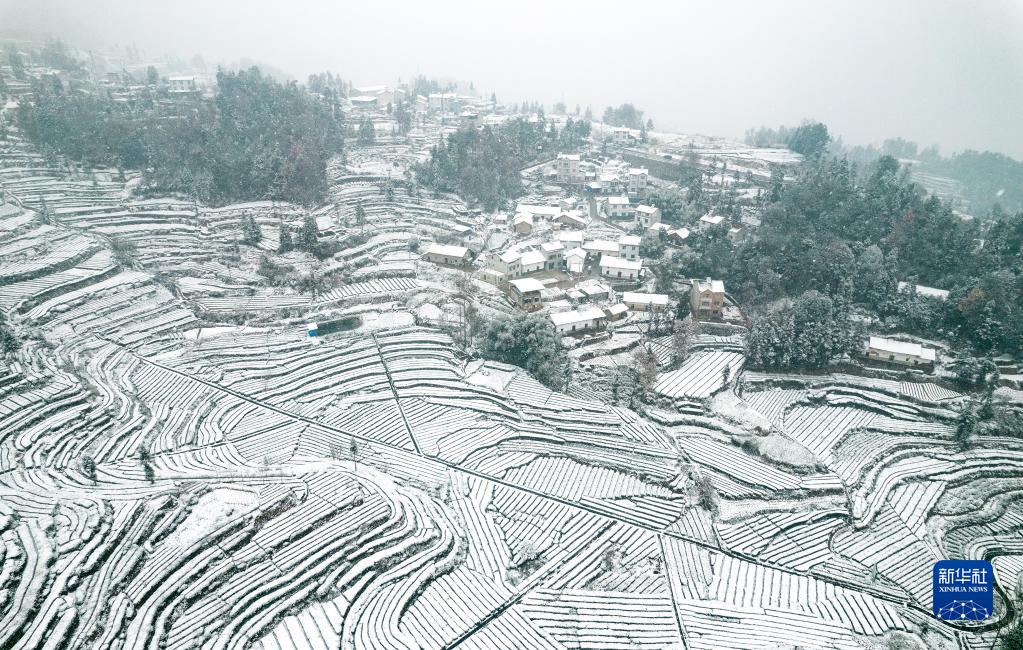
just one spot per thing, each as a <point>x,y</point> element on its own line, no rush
<point>950,75</point>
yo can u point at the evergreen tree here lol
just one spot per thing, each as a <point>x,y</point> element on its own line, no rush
<point>251,232</point>
<point>285,245</point>
<point>308,234</point>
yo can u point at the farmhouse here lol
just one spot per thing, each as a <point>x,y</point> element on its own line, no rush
<point>648,215</point>
<point>929,292</point>
<point>637,181</point>
<point>601,247</point>
<point>707,298</point>
<point>568,168</point>
<point>575,260</point>
<point>554,253</point>
<point>901,352</point>
<point>578,320</point>
<point>525,292</point>
<point>445,254</point>
<point>523,223</point>
<point>509,263</point>
<point>628,246</point>
<point>620,269</point>
<point>710,220</point>
<point>182,85</point>
<point>619,208</point>
<point>531,262</point>
<point>572,219</point>
<point>651,302</point>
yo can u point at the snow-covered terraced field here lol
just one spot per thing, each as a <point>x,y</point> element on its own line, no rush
<point>181,467</point>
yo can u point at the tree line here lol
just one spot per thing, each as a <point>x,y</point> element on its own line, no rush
<point>483,165</point>
<point>257,139</point>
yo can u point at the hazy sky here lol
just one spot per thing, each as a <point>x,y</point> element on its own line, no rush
<point>933,71</point>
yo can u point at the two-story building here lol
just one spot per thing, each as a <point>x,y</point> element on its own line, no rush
<point>619,208</point>
<point>648,215</point>
<point>628,246</point>
<point>525,293</point>
<point>707,298</point>
<point>554,252</point>
<point>532,262</point>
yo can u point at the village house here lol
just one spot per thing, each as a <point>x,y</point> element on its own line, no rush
<point>645,302</point>
<point>554,252</point>
<point>508,263</point>
<point>445,254</point>
<point>579,320</point>
<point>572,219</point>
<point>619,208</point>
<point>364,103</point>
<point>648,215</point>
<point>736,235</point>
<point>568,168</point>
<point>616,311</point>
<point>679,235</point>
<point>383,95</point>
<point>575,260</point>
<point>708,221</point>
<point>707,298</point>
<point>571,237</point>
<point>628,247</point>
<point>531,262</point>
<point>620,269</point>
<point>525,293</point>
<point>182,85</point>
<point>929,292</point>
<point>523,223</point>
<point>900,352</point>
<point>444,102</point>
<point>598,247</point>
<point>638,177</point>
<point>621,136</point>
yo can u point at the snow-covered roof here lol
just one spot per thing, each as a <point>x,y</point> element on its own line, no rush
<point>681,233</point>
<point>891,346</point>
<point>576,252</point>
<point>618,200</point>
<point>445,250</point>
<point>638,171</point>
<point>370,90</point>
<point>362,99</point>
<point>646,209</point>
<point>930,292</point>
<point>525,285</point>
<point>508,257</point>
<point>552,246</point>
<point>629,240</point>
<point>612,262</point>
<point>533,257</point>
<point>639,298</point>
<point>715,286</point>
<point>568,156</point>
<point>712,219</point>
<point>601,246</point>
<point>571,236</point>
<point>576,316</point>
<point>618,308</point>
<point>542,210</point>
